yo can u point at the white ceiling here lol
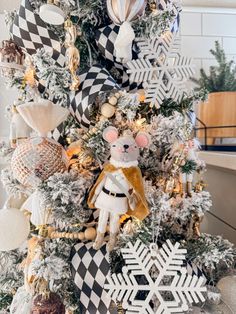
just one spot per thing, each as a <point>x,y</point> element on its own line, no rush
<point>14,4</point>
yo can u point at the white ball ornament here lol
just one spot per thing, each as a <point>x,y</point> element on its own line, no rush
<point>227,286</point>
<point>107,110</point>
<point>52,14</point>
<point>14,229</point>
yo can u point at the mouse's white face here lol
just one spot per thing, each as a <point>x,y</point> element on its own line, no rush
<point>125,149</point>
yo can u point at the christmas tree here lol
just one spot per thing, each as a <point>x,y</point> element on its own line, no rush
<point>105,188</point>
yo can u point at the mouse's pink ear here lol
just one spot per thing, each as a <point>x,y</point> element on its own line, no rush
<point>110,134</point>
<point>143,139</point>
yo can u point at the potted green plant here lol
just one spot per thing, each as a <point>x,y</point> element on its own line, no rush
<point>220,108</point>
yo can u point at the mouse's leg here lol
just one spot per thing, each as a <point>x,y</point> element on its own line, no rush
<point>102,225</point>
<point>114,230</point>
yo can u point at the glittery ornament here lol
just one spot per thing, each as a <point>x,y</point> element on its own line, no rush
<point>51,305</point>
<point>37,159</point>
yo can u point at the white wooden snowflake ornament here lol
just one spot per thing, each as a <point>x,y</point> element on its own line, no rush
<point>172,288</point>
<point>161,68</point>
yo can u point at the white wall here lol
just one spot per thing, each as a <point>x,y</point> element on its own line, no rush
<point>201,27</point>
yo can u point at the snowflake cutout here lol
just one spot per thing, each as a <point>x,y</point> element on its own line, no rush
<point>161,68</point>
<point>172,289</point>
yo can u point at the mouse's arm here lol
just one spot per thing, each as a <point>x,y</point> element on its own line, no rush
<point>98,189</point>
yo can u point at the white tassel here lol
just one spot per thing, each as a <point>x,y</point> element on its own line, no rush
<point>43,116</point>
<point>123,43</point>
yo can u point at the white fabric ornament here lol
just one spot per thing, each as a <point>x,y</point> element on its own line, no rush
<point>227,286</point>
<point>14,229</point>
<point>22,302</point>
<point>39,214</point>
<point>123,43</point>
<point>122,12</point>
<point>43,116</point>
<point>19,129</point>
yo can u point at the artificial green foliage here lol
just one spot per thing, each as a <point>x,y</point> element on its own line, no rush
<point>189,166</point>
<point>222,77</point>
<point>5,300</point>
<point>169,106</point>
<point>217,256</point>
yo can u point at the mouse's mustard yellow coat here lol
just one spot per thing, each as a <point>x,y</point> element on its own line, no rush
<point>134,177</point>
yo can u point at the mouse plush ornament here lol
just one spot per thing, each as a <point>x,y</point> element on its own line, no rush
<point>119,189</point>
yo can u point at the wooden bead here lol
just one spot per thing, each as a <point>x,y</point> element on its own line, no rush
<point>112,100</point>
<point>117,95</point>
<point>81,236</point>
<point>107,110</point>
<point>90,233</point>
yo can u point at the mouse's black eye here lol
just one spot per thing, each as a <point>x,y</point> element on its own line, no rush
<point>113,145</point>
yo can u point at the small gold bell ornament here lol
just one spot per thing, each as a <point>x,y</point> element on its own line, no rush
<point>37,158</point>
<point>72,53</point>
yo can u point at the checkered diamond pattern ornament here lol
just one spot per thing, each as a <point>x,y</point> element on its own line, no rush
<point>93,82</point>
<point>161,68</point>
<point>90,269</point>
<point>105,39</point>
<point>194,270</point>
<point>31,33</point>
<point>169,276</point>
<point>57,134</point>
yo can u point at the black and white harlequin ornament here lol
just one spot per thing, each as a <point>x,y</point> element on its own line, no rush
<point>93,82</point>
<point>89,270</point>
<point>105,39</point>
<point>30,33</point>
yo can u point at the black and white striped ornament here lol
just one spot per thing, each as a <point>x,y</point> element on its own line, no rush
<point>93,82</point>
<point>90,269</point>
<point>105,39</point>
<point>31,33</point>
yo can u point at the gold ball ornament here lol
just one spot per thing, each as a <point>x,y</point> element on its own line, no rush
<point>113,100</point>
<point>107,110</point>
<point>227,287</point>
<point>36,159</point>
<point>90,233</point>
